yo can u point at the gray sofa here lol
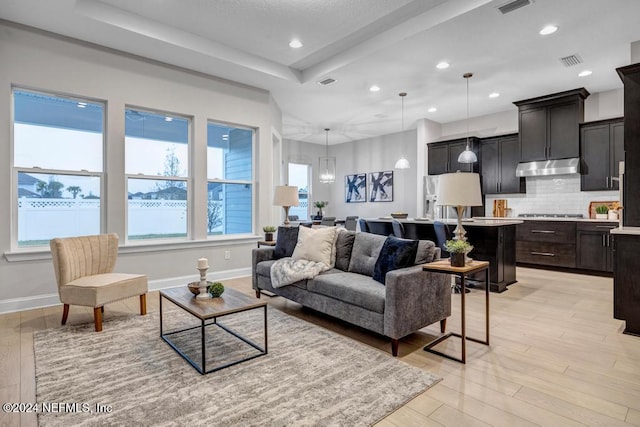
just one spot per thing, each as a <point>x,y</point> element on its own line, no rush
<point>409,300</point>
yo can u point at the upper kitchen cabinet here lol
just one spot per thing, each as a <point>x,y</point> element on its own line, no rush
<point>443,156</point>
<point>550,125</point>
<point>601,150</point>
<point>499,158</point>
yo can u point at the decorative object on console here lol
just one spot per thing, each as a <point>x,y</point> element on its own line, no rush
<point>381,186</point>
<point>402,162</point>
<point>467,156</point>
<point>286,196</point>
<point>458,250</point>
<point>460,189</point>
<point>327,165</point>
<point>320,205</point>
<point>399,215</point>
<point>268,232</point>
<point>355,188</point>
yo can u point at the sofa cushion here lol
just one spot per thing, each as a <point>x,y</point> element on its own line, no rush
<point>316,244</point>
<point>426,252</point>
<point>285,242</point>
<point>344,246</point>
<point>355,289</point>
<point>395,253</point>
<point>366,248</point>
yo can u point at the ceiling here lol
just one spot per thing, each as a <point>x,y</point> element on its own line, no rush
<point>393,44</point>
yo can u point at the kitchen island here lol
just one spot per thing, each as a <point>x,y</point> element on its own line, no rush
<point>492,240</point>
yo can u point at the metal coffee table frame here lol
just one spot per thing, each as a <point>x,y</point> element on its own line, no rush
<point>202,369</point>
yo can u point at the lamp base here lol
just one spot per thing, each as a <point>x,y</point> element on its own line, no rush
<point>286,216</point>
<point>459,232</point>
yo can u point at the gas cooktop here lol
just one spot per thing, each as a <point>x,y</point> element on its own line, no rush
<point>548,215</point>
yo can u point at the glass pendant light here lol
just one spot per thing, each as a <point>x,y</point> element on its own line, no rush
<point>327,165</point>
<point>467,156</point>
<point>402,162</point>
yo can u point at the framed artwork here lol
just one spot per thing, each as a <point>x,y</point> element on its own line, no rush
<point>381,186</point>
<point>355,188</point>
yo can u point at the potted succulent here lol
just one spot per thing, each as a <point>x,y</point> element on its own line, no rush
<point>215,289</point>
<point>458,250</point>
<point>320,204</point>
<point>268,232</point>
<point>602,212</point>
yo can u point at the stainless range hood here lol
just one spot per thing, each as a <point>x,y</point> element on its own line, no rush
<point>549,167</point>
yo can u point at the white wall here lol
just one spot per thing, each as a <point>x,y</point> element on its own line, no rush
<point>38,60</point>
<point>635,52</point>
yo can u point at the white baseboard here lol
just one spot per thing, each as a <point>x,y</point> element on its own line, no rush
<point>48,300</point>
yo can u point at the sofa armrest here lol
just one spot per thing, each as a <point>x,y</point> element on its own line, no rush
<point>257,256</point>
<point>415,299</point>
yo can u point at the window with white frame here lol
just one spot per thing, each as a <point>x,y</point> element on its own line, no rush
<point>229,179</point>
<point>300,176</point>
<point>58,163</point>
<point>157,169</point>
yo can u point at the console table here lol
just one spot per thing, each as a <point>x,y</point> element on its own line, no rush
<point>444,266</point>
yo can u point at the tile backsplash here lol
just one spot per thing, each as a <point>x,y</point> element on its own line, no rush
<point>552,194</point>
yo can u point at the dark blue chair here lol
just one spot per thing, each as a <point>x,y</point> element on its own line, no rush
<point>398,228</point>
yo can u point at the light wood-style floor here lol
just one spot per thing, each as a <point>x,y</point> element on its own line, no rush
<point>557,356</point>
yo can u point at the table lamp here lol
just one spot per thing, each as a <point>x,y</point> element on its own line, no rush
<point>460,189</point>
<point>286,197</point>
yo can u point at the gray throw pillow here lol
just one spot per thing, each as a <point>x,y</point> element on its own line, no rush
<point>426,252</point>
<point>344,246</point>
<point>285,242</point>
<point>366,248</point>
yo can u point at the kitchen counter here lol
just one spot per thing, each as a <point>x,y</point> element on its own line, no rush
<point>546,218</point>
<point>634,231</point>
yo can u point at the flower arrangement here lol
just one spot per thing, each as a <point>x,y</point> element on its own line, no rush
<point>320,204</point>
<point>458,246</point>
<point>215,289</point>
<point>269,229</point>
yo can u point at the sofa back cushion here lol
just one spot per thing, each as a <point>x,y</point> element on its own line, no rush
<point>344,247</point>
<point>395,253</point>
<point>285,242</point>
<point>366,248</point>
<point>426,252</point>
<point>316,244</point>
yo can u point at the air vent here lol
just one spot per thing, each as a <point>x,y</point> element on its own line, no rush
<point>571,60</point>
<point>327,81</point>
<point>513,5</point>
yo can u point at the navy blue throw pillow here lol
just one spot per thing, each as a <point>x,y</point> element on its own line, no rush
<point>285,242</point>
<point>395,253</point>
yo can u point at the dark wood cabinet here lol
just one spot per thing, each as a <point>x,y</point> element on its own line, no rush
<point>443,156</point>
<point>594,246</point>
<point>551,243</point>
<point>499,158</point>
<point>630,76</point>
<point>549,125</point>
<point>626,281</point>
<point>601,150</point>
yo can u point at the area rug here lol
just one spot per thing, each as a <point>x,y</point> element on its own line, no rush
<point>126,375</point>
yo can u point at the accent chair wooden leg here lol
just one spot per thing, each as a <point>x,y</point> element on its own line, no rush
<point>143,304</point>
<point>443,325</point>
<point>65,313</point>
<point>394,346</point>
<point>258,293</point>
<point>97,318</point>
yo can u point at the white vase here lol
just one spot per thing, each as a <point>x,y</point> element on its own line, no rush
<point>602,216</point>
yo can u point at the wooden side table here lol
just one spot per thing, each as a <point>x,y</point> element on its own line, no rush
<point>444,266</point>
<point>265,243</point>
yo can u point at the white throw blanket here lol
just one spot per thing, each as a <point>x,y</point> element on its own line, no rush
<point>287,271</point>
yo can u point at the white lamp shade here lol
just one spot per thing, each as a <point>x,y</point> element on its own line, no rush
<point>402,163</point>
<point>458,189</point>
<point>286,196</point>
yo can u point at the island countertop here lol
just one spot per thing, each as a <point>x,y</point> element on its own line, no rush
<point>473,222</point>
<point>546,218</point>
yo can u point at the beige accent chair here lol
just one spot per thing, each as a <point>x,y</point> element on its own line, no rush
<point>84,272</point>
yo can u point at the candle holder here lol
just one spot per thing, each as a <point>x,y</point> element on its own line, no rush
<point>204,294</point>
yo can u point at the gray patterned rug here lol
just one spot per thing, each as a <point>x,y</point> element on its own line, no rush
<point>311,376</point>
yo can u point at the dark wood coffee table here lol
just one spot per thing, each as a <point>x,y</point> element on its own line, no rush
<point>208,312</point>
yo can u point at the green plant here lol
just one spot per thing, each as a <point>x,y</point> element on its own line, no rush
<point>458,246</point>
<point>320,204</point>
<point>602,209</point>
<point>269,229</point>
<point>215,289</point>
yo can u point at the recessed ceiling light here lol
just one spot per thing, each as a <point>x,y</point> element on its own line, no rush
<point>432,110</point>
<point>585,73</point>
<point>295,43</point>
<point>442,65</point>
<point>494,95</point>
<point>374,88</point>
<point>549,29</point>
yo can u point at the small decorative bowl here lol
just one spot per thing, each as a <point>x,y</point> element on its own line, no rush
<point>194,287</point>
<point>399,215</point>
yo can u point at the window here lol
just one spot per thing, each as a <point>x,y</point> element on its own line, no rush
<point>299,176</point>
<point>57,160</point>
<point>157,168</point>
<point>229,179</point>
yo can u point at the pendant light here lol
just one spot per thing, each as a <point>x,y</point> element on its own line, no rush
<point>402,162</point>
<point>467,156</point>
<point>327,165</point>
